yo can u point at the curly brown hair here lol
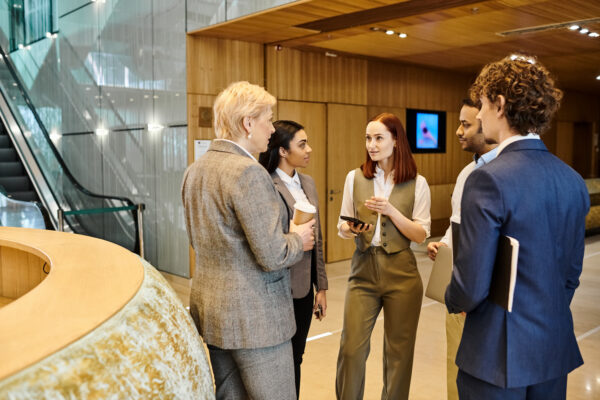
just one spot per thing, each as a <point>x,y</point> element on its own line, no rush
<point>531,97</point>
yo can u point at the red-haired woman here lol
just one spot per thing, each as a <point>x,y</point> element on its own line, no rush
<point>394,201</point>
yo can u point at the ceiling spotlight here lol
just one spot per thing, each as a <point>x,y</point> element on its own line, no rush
<point>593,34</point>
<point>402,35</point>
<point>574,27</point>
<point>583,31</point>
<point>48,35</point>
<point>598,78</point>
<point>389,32</point>
<point>375,29</point>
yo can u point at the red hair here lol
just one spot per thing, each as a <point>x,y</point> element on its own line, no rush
<point>405,167</point>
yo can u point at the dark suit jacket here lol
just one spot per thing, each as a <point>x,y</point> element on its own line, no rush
<point>301,271</point>
<point>531,195</point>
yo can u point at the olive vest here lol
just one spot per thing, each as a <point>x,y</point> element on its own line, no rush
<point>402,197</point>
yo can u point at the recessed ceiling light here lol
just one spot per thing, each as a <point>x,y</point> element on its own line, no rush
<point>375,29</point>
<point>593,34</point>
<point>389,32</point>
<point>584,31</point>
<point>574,27</point>
<point>402,35</point>
<point>598,77</point>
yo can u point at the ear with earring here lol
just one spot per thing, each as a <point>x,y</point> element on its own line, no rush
<point>248,126</point>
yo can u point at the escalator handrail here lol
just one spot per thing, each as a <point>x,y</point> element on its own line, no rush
<point>59,158</point>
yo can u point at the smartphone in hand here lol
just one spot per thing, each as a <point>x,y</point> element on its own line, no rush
<point>357,222</point>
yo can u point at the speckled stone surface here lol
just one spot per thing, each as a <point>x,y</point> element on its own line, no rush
<point>148,350</point>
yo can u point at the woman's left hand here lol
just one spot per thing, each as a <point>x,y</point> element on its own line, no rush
<point>380,205</point>
<point>321,300</point>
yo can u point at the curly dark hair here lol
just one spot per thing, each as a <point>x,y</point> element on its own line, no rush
<point>531,97</point>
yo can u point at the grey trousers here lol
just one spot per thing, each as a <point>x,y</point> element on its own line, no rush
<point>265,373</point>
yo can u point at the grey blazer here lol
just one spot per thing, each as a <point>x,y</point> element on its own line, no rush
<point>301,279</point>
<point>241,296</point>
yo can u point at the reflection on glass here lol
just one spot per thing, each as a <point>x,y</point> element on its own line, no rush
<point>119,64</point>
<point>210,12</point>
<point>21,214</point>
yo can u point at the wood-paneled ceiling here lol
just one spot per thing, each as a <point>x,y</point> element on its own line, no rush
<point>460,35</point>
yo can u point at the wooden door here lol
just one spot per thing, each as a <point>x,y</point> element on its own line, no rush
<point>583,149</point>
<point>345,151</point>
<point>313,117</point>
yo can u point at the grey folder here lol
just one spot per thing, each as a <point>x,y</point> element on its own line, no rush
<point>441,274</point>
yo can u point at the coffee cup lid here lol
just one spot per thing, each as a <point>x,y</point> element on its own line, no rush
<point>305,207</point>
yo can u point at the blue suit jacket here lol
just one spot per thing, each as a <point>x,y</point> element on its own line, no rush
<point>531,195</point>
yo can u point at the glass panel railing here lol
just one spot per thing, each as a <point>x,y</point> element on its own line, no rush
<point>120,227</point>
<point>210,12</point>
<point>22,214</point>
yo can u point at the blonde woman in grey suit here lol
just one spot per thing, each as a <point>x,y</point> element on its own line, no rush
<point>241,296</point>
<point>288,150</point>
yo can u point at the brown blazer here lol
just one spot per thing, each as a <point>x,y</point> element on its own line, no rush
<point>241,295</point>
<point>301,271</point>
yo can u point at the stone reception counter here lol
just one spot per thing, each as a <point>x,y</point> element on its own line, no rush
<point>84,318</point>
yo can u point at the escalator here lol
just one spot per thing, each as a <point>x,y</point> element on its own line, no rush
<point>27,151</point>
<point>14,181</point>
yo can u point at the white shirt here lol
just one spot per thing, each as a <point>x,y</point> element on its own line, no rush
<point>383,188</point>
<point>516,138</point>
<point>292,183</point>
<point>459,187</point>
<point>245,151</point>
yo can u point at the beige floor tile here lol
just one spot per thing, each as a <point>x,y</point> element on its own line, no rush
<point>429,371</point>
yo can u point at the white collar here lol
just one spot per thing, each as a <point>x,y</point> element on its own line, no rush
<point>515,138</point>
<point>245,151</point>
<point>288,180</point>
<point>379,172</point>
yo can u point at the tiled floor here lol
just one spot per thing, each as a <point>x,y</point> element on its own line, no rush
<point>429,373</point>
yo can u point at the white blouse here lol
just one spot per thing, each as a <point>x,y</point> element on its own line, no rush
<point>383,188</point>
<point>293,185</point>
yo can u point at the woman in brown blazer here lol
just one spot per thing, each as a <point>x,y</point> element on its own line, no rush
<point>288,150</point>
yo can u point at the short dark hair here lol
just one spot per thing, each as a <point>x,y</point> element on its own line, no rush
<point>470,103</point>
<point>283,135</point>
<point>405,167</point>
<point>531,97</point>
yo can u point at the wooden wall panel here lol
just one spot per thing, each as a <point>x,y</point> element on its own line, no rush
<point>195,131</point>
<point>345,151</point>
<point>307,76</point>
<point>313,116</point>
<point>307,83</point>
<point>212,64</point>
<point>398,85</point>
<point>578,107</point>
<point>564,141</point>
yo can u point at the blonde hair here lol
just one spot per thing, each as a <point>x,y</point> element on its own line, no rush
<point>239,100</point>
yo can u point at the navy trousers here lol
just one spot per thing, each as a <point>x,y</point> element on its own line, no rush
<point>471,388</point>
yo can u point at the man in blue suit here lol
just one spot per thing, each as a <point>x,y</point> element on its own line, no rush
<point>532,196</point>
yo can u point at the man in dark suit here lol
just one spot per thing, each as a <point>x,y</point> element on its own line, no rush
<point>532,196</point>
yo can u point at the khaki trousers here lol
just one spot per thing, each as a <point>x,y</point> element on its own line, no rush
<point>455,324</point>
<point>392,282</point>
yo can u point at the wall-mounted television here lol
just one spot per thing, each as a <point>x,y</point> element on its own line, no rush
<point>426,130</point>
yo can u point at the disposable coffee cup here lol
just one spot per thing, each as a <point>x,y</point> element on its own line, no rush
<point>303,212</point>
